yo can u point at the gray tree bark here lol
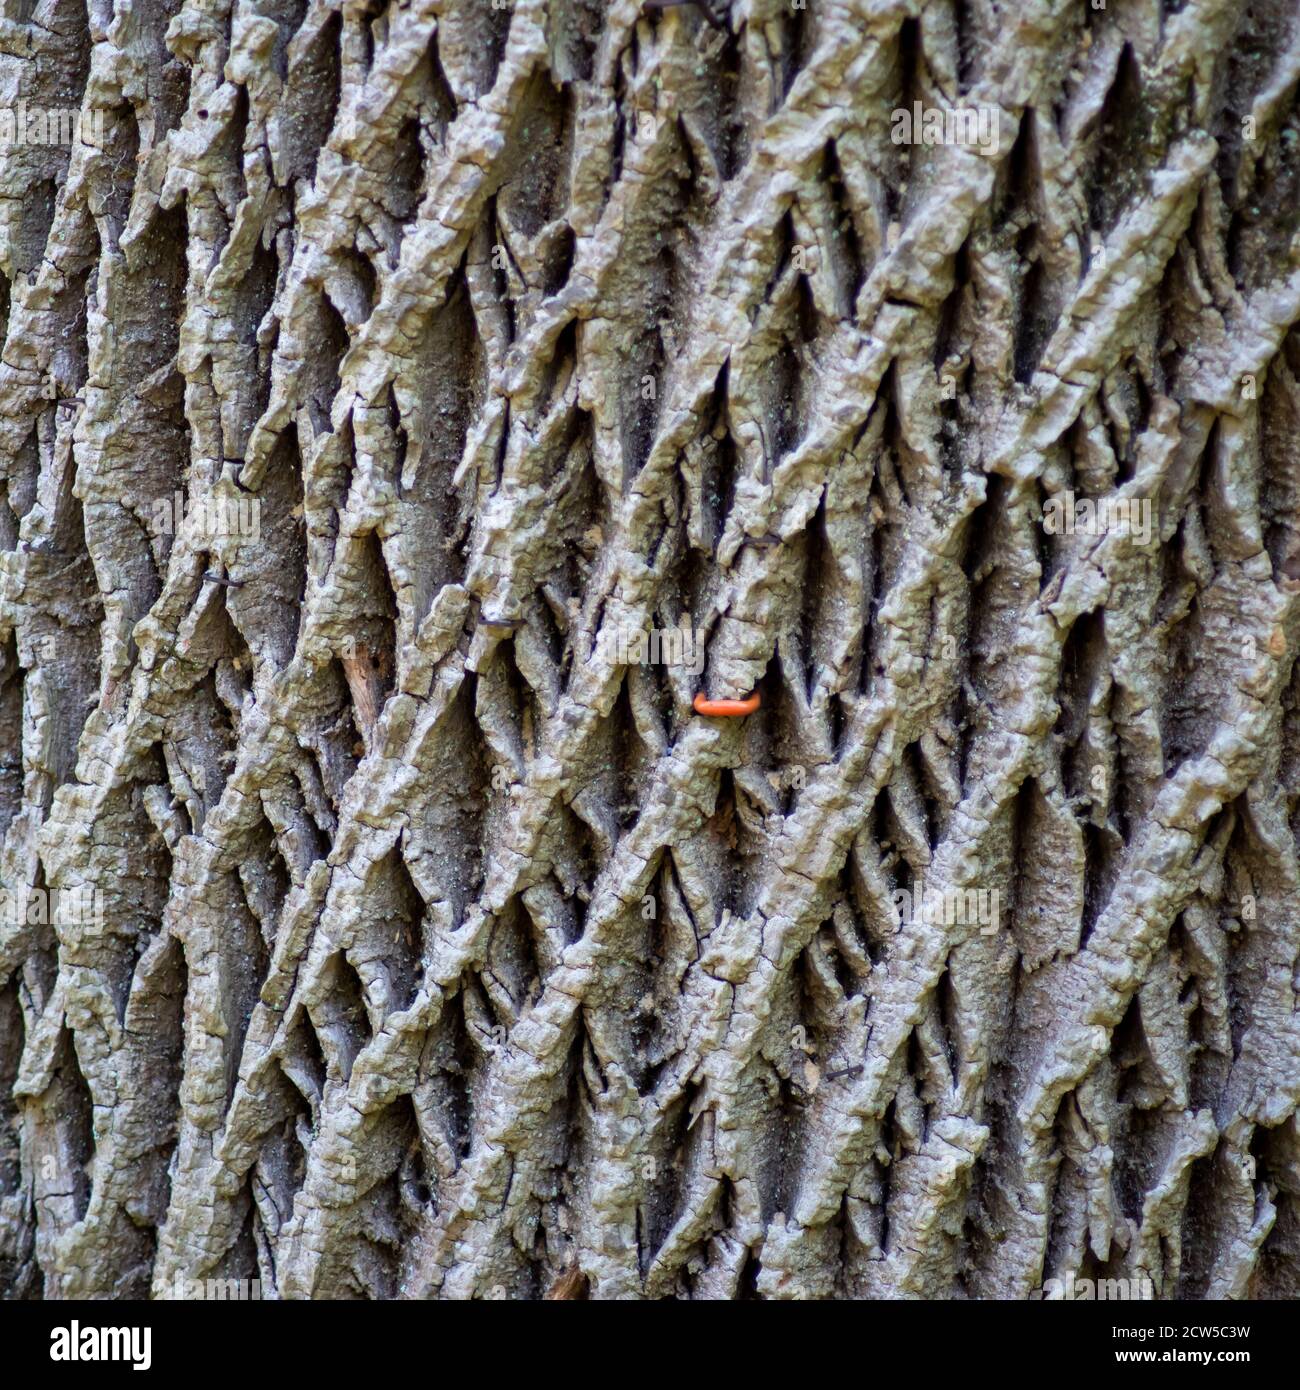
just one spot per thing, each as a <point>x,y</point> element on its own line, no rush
<point>378,376</point>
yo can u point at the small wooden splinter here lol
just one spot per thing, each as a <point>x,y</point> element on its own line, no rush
<point>727,708</point>
<point>508,624</point>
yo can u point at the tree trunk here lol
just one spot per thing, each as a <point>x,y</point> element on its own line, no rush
<point>409,410</point>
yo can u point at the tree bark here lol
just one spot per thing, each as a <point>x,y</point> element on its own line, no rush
<point>407,410</point>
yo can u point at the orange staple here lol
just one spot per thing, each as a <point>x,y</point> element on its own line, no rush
<point>703,705</point>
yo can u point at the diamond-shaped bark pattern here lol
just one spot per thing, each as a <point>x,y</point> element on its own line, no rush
<point>443,955</point>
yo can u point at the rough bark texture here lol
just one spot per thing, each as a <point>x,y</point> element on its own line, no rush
<point>443,954</point>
